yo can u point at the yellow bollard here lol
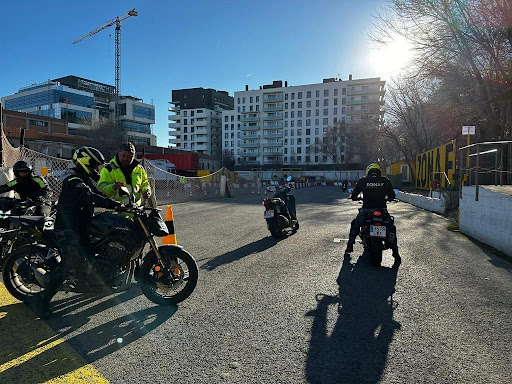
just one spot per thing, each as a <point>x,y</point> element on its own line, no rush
<point>169,221</point>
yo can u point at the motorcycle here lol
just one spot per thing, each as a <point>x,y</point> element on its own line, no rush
<point>377,233</point>
<point>168,274</point>
<point>277,212</point>
<point>10,207</point>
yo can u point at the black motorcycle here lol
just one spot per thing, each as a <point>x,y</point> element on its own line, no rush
<point>10,207</point>
<point>280,212</point>
<point>168,274</point>
<point>377,234</point>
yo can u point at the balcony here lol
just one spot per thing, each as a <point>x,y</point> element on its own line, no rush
<point>174,140</point>
<point>276,116</point>
<point>364,91</point>
<point>272,108</point>
<point>250,154</point>
<point>201,131</point>
<point>246,119</point>
<point>200,147</point>
<point>365,102</point>
<point>267,135</point>
<point>250,135</point>
<point>174,117</point>
<point>275,125</point>
<point>174,125</point>
<point>174,109</point>
<point>266,152</point>
<point>278,143</point>
<point>201,123</point>
<point>358,112</point>
<point>250,128</point>
<point>250,145</point>
<point>272,98</point>
<point>216,124</point>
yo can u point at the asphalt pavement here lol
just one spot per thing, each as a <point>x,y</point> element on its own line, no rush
<point>294,310</point>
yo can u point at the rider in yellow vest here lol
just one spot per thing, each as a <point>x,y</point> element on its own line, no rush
<point>124,170</point>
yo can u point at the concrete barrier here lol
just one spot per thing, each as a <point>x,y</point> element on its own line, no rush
<point>489,219</point>
<point>425,202</point>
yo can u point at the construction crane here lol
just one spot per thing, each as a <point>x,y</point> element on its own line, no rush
<point>117,22</point>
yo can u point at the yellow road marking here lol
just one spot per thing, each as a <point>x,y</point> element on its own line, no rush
<point>31,352</point>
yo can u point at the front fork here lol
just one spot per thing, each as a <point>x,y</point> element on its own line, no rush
<point>151,242</point>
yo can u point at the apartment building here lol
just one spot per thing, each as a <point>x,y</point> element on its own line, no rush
<point>279,125</point>
<point>196,121</point>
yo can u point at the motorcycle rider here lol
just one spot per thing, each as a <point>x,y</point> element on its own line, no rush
<point>74,211</point>
<point>376,190</point>
<point>27,185</point>
<point>124,170</point>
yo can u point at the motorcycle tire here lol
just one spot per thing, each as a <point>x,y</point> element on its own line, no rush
<point>20,286</point>
<point>296,226</point>
<point>376,252</point>
<point>276,233</point>
<point>150,283</point>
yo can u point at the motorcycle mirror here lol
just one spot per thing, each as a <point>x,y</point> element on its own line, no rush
<point>289,178</point>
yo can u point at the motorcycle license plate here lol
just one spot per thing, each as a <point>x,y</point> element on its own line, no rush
<point>377,231</point>
<point>268,214</point>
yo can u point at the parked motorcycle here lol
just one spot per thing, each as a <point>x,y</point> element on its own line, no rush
<point>168,274</point>
<point>280,212</point>
<point>10,207</point>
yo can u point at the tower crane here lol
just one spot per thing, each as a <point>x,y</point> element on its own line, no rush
<point>117,22</point>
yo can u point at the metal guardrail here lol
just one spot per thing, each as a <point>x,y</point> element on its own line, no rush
<point>499,170</point>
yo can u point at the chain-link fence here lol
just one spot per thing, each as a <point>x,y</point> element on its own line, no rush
<point>52,169</point>
<point>169,188</point>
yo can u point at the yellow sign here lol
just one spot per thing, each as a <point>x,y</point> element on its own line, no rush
<point>433,163</point>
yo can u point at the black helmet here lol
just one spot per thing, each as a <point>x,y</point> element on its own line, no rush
<point>88,159</point>
<point>21,166</point>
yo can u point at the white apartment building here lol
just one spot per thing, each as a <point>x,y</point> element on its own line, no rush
<point>195,124</point>
<point>278,125</point>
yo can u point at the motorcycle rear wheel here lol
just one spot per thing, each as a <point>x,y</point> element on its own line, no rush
<point>376,252</point>
<point>20,285</point>
<point>156,289</point>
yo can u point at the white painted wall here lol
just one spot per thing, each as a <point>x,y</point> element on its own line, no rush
<point>488,219</point>
<point>425,202</point>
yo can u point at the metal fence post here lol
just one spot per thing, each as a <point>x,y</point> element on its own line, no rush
<point>477,171</point>
<point>460,175</point>
<point>501,166</point>
<point>496,168</point>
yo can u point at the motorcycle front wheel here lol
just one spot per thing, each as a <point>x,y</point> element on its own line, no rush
<point>17,272</point>
<point>173,285</point>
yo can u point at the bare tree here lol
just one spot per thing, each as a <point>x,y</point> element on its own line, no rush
<point>464,48</point>
<point>228,160</point>
<point>104,135</point>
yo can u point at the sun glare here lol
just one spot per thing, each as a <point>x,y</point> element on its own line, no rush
<point>392,58</point>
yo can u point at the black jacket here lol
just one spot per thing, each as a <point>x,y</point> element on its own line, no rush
<point>76,204</point>
<point>375,189</point>
<point>27,187</point>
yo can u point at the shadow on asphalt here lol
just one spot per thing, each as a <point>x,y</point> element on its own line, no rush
<point>351,332</point>
<point>239,253</point>
<point>23,334</point>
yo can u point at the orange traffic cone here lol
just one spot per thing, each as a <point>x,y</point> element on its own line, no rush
<point>169,221</point>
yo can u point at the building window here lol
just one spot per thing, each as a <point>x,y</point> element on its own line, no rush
<point>285,105</point>
<point>308,131</point>
<point>299,123</point>
<point>326,102</point>
<point>238,109</point>
<point>343,101</point>
<point>257,99</point>
<point>326,92</point>
<point>238,101</point>
<point>286,132</point>
<point>317,131</point>
<point>308,104</point>
<point>317,121</point>
<point>317,103</point>
<point>286,96</point>
<point>308,94</point>
<point>299,95</point>
<point>293,104</point>
<point>226,126</point>
<point>335,112</point>
<point>326,121</point>
<point>335,121</point>
<point>299,113</point>
<point>308,113</point>
<point>299,149</point>
<point>257,107</point>
<point>308,123</point>
<point>185,113</point>
<point>335,101</point>
<point>299,104</point>
<point>226,118</point>
<point>243,100</point>
<point>317,112</point>
<point>317,93</point>
<point>293,96</point>
<point>292,114</point>
<point>336,92</point>
<point>232,127</point>
<point>292,125</point>
<point>286,115</point>
<point>326,111</point>
<point>250,99</point>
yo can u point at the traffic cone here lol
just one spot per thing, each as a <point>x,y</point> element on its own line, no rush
<point>169,222</point>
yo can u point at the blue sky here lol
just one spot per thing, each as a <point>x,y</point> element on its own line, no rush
<point>184,44</point>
